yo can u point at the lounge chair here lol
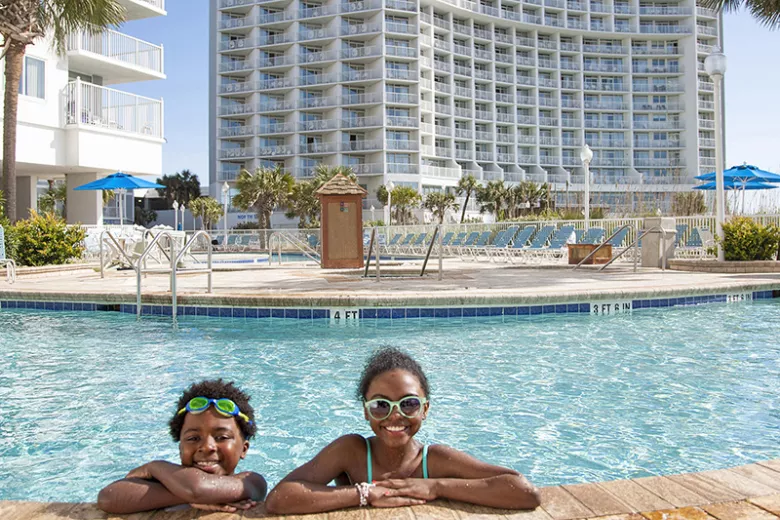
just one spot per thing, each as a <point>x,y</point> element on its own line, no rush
<point>392,243</point>
<point>481,241</point>
<point>402,245</point>
<point>617,241</point>
<point>594,236</point>
<point>456,242</point>
<point>418,246</point>
<point>8,263</point>
<point>557,248</point>
<point>501,242</point>
<point>538,243</point>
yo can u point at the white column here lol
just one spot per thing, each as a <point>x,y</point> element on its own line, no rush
<point>85,207</point>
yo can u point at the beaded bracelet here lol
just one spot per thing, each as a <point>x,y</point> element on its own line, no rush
<point>363,489</point>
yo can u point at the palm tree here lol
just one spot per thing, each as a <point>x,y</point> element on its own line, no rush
<point>303,201</point>
<point>767,12</point>
<point>439,203</point>
<point>21,23</point>
<point>182,187</point>
<point>263,191</point>
<point>208,209</point>
<point>493,198</point>
<point>404,199</point>
<point>467,185</point>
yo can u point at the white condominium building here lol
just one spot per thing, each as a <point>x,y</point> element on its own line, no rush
<point>72,124</point>
<point>424,92</point>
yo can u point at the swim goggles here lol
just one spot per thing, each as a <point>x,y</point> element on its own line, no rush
<point>410,407</point>
<point>223,406</point>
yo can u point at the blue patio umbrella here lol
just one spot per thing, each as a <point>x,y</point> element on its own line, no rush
<point>743,173</point>
<point>730,184</point>
<point>121,182</point>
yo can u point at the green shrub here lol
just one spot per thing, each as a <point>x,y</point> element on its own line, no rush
<point>46,240</point>
<point>744,239</point>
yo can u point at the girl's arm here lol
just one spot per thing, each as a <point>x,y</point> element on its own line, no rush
<point>161,484</point>
<point>306,489</point>
<point>459,476</point>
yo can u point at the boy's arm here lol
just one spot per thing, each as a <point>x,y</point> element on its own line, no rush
<point>133,495</point>
<point>194,486</point>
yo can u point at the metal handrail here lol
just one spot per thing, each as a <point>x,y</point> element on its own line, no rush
<point>116,246</point>
<point>10,269</point>
<point>299,244</point>
<point>604,243</point>
<point>368,258</point>
<point>636,242</point>
<point>177,259</point>
<point>141,260</point>
<point>436,231</point>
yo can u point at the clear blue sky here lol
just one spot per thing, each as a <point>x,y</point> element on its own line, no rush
<point>752,87</point>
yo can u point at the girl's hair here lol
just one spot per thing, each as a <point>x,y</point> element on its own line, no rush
<point>216,389</point>
<point>385,360</point>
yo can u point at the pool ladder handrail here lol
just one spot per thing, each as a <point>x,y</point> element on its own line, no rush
<point>634,245</point>
<point>278,236</point>
<point>174,267</point>
<point>371,243</point>
<point>601,245</point>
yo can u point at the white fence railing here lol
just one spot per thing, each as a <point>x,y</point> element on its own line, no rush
<point>120,47</point>
<point>88,104</point>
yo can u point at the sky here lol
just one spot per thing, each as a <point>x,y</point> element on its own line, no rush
<point>752,85</point>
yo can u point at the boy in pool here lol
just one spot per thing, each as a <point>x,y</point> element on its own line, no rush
<point>392,469</point>
<point>213,424</point>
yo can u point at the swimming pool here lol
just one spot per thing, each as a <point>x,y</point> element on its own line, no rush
<point>85,397</point>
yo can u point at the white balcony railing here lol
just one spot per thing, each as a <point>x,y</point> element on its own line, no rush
<point>93,105</point>
<point>120,47</point>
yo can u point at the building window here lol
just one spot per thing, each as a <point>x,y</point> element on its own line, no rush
<point>33,80</point>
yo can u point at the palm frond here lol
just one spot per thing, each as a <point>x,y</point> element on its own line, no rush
<point>63,17</point>
<point>767,12</point>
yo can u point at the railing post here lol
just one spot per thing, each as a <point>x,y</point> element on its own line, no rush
<point>173,277</point>
<point>77,102</point>
<point>441,249</point>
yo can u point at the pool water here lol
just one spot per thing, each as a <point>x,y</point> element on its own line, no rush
<point>85,397</point>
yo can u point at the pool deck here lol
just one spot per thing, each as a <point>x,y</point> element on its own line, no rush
<point>463,283</point>
<point>750,492</point>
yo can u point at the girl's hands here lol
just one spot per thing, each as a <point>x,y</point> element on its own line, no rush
<point>420,488</point>
<point>380,496</point>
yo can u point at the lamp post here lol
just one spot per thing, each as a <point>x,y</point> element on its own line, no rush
<point>586,155</point>
<point>390,187</point>
<point>225,193</point>
<point>715,65</point>
<point>182,208</point>
<point>372,212</point>
<point>175,215</point>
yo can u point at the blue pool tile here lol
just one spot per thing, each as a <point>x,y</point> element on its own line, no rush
<point>250,312</point>
<point>398,314</point>
<point>525,310</point>
<point>721,298</point>
<point>145,309</point>
<point>291,313</point>
<point>368,314</point>
<point>426,312</point>
<point>49,306</point>
<point>189,310</point>
<point>548,309</point>
<point>384,314</point>
<point>537,309</point>
<point>88,307</point>
<point>483,311</point>
<point>225,312</point>
<point>68,306</point>
<point>263,313</point>
<point>509,311</point>
<point>202,311</point>
<point>496,311</point>
<point>9,304</point>
<point>469,312</point>
<point>167,310</point>
<point>440,312</point>
<point>212,312</point>
<point>455,312</point>
<point>58,306</point>
<point>304,314</point>
<point>572,307</point>
<point>239,312</point>
<point>655,303</point>
<point>698,299</point>
<point>277,313</point>
<point>664,302</point>
<point>585,307</point>
<point>690,300</point>
<point>561,308</point>
<point>635,304</point>
<point>413,313</point>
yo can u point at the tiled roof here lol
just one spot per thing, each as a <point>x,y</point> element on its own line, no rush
<point>341,185</point>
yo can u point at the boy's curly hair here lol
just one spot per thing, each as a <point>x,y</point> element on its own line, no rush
<point>385,360</point>
<point>215,389</point>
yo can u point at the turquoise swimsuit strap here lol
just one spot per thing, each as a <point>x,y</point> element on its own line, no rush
<point>369,471</point>
<point>425,461</point>
<point>370,478</point>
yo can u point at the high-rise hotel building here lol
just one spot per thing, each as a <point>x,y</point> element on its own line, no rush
<point>423,92</point>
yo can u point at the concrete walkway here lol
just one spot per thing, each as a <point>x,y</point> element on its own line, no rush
<point>750,492</point>
<point>462,283</point>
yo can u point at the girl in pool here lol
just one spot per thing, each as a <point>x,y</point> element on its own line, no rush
<point>212,424</point>
<point>393,469</point>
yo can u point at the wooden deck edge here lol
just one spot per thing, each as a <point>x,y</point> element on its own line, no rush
<point>749,492</point>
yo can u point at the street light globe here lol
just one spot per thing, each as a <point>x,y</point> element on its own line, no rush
<point>175,205</point>
<point>715,64</point>
<point>390,186</point>
<point>586,154</point>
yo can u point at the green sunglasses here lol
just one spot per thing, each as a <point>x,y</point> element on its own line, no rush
<point>223,406</point>
<point>410,407</point>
